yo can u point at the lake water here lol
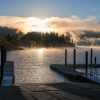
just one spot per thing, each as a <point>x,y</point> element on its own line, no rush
<point>32,65</point>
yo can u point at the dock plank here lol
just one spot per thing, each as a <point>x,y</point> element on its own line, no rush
<point>37,92</point>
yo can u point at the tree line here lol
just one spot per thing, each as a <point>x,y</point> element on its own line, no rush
<point>12,38</point>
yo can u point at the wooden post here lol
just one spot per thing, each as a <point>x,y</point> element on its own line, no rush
<point>95,60</point>
<point>91,57</point>
<point>86,63</point>
<point>65,57</point>
<point>74,59</point>
<point>3,61</point>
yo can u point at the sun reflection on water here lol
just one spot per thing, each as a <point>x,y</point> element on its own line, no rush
<point>40,51</point>
<point>40,55</point>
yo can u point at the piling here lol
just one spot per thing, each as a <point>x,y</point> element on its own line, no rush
<point>86,63</point>
<point>95,60</point>
<point>65,57</point>
<point>74,59</point>
<point>3,61</point>
<point>91,57</point>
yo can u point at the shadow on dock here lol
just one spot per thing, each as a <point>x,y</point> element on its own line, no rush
<point>11,93</point>
<point>52,91</point>
<point>83,90</point>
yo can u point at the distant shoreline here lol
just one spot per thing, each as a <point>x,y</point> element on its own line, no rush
<point>24,47</point>
<point>37,47</point>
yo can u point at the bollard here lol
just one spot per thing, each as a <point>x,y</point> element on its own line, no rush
<point>91,57</point>
<point>74,59</point>
<point>86,63</point>
<point>65,57</point>
<point>3,61</point>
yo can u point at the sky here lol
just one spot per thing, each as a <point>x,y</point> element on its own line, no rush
<point>50,15</point>
<point>49,8</point>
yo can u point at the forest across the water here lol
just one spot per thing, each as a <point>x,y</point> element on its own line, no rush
<point>12,38</point>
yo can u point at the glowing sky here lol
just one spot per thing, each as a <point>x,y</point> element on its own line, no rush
<point>50,15</point>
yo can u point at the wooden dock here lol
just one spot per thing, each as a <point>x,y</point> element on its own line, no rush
<point>69,70</point>
<point>71,74</point>
<point>57,91</point>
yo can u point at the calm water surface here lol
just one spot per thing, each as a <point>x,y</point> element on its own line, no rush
<point>32,65</point>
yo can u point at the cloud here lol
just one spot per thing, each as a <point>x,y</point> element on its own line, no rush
<point>14,22</point>
<point>73,23</point>
<point>57,24</point>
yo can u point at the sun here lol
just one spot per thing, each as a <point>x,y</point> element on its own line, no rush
<point>38,25</point>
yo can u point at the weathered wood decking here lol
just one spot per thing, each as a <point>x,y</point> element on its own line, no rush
<point>57,91</point>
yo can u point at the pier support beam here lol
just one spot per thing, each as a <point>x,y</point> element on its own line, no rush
<point>65,57</point>
<point>86,63</point>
